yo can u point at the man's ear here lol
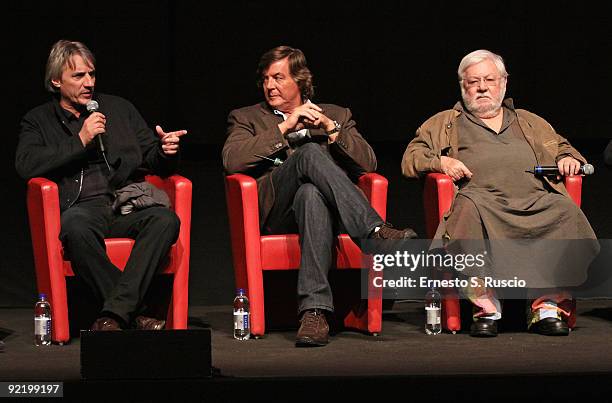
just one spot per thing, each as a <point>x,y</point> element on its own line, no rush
<point>56,83</point>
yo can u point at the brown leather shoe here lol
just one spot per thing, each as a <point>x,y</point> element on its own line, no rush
<point>146,323</point>
<point>314,330</point>
<point>105,324</point>
<point>386,231</point>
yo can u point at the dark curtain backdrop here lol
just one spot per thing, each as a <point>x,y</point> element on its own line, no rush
<point>187,64</point>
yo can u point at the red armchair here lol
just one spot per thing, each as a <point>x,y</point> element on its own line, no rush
<point>253,253</point>
<point>51,268</point>
<point>438,196</point>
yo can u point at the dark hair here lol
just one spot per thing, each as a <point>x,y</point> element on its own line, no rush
<point>297,68</point>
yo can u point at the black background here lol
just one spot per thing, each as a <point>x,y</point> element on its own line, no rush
<point>187,64</point>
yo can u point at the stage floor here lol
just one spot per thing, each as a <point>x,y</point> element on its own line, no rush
<point>401,357</point>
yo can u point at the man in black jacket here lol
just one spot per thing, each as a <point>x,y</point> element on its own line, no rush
<point>92,145</point>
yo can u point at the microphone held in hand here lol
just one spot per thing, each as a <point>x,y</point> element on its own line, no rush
<point>93,106</point>
<point>586,169</point>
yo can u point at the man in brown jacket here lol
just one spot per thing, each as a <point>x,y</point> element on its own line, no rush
<point>305,158</point>
<point>488,148</point>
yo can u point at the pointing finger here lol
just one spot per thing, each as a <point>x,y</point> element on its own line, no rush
<point>177,133</point>
<point>161,133</point>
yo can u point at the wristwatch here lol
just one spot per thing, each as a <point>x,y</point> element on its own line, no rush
<point>335,130</point>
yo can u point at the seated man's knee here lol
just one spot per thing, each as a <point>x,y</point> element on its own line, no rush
<point>309,150</point>
<point>75,223</point>
<point>165,220</point>
<point>307,193</point>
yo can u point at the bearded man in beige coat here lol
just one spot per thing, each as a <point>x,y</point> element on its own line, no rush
<point>489,150</point>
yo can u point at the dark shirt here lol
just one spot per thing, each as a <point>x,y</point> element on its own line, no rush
<point>500,162</point>
<point>95,171</point>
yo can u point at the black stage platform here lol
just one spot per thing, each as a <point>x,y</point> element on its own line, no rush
<point>403,363</point>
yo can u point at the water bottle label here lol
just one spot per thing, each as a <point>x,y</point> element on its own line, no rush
<point>241,320</point>
<point>42,326</point>
<point>433,315</point>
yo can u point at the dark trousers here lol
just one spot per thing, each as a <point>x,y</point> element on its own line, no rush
<point>315,196</point>
<point>83,229</point>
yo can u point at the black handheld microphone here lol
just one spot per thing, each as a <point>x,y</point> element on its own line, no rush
<point>92,106</point>
<point>586,169</point>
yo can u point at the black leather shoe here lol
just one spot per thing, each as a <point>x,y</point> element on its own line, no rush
<point>147,323</point>
<point>483,327</point>
<point>105,324</point>
<point>550,327</point>
<point>314,330</point>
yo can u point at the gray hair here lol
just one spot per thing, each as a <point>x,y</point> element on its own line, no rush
<point>61,55</point>
<point>478,56</point>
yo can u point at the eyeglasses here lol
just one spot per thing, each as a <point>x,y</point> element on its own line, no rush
<point>489,81</point>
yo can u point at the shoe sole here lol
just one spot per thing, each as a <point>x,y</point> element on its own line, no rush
<point>561,332</point>
<point>310,343</point>
<point>483,334</point>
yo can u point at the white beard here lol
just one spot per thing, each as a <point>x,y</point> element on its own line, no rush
<point>484,111</point>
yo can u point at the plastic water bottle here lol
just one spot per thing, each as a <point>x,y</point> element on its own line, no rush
<point>433,309</point>
<point>242,319</point>
<point>42,321</point>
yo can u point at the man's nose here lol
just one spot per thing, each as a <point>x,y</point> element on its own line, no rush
<point>269,84</point>
<point>482,88</point>
<point>89,81</point>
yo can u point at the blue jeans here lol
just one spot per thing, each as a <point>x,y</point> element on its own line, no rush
<point>315,198</point>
